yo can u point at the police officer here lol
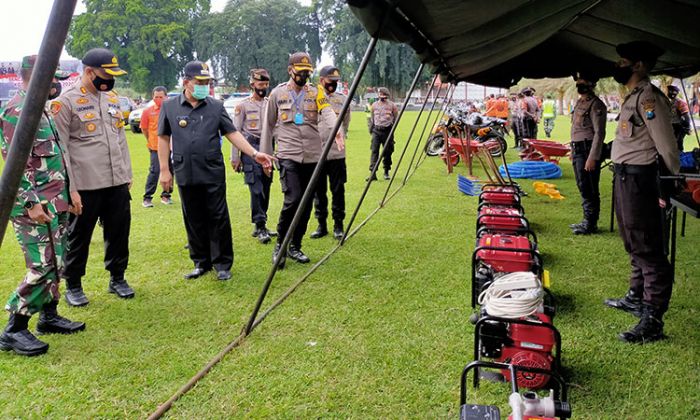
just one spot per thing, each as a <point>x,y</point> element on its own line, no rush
<point>39,217</point>
<point>334,171</point>
<point>195,122</point>
<point>248,118</point>
<point>531,112</point>
<point>384,114</point>
<point>680,115</point>
<point>90,122</point>
<point>587,134</point>
<point>291,116</point>
<point>644,144</point>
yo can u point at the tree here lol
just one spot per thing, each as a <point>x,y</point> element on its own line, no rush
<point>152,38</point>
<point>257,33</point>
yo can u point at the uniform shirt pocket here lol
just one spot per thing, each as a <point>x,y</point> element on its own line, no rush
<point>285,112</point>
<point>90,125</point>
<point>252,121</point>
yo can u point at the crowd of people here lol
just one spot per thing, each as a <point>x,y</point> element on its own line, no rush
<point>8,69</point>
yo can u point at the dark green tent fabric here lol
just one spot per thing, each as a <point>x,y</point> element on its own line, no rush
<point>497,42</point>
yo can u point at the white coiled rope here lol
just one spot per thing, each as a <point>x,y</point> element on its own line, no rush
<point>513,295</point>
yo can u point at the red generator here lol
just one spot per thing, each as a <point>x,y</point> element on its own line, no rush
<point>500,198</point>
<point>504,188</point>
<point>498,219</point>
<point>526,342</point>
<point>502,253</point>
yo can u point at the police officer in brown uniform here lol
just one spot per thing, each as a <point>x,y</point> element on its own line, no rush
<point>587,134</point>
<point>644,144</point>
<point>248,118</point>
<point>334,171</point>
<point>384,114</point>
<point>90,122</point>
<point>291,116</point>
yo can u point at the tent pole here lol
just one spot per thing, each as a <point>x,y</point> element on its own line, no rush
<point>692,121</point>
<point>448,100</point>
<point>310,189</point>
<point>34,104</point>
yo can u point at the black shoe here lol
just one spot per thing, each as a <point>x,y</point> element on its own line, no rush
<point>223,275</point>
<point>576,225</point>
<point>120,287</point>
<point>264,236</point>
<point>629,303</point>
<point>585,229</point>
<point>372,177</point>
<point>297,255</point>
<point>75,296</point>
<point>50,322</point>
<point>320,232</point>
<point>17,338</point>
<point>386,175</point>
<point>196,273</point>
<point>275,253</point>
<point>255,232</point>
<point>649,329</point>
<point>338,231</point>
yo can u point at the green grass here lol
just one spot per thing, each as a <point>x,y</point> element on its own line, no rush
<point>380,330</point>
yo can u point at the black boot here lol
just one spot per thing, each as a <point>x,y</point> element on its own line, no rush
<point>263,234</point>
<point>371,176</point>
<point>386,174</point>
<point>17,338</point>
<point>298,255</point>
<point>283,257</point>
<point>585,228</point>
<point>631,303</point>
<point>119,286</point>
<point>576,225</point>
<point>50,322</point>
<point>321,230</point>
<point>649,329</point>
<point>338,230</point>
<point>74,295</point>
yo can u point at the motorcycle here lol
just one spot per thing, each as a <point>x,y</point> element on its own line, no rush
<point>487,130</point>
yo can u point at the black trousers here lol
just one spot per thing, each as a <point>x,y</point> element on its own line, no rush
<point>259,186</point>
<point>641,222</point>
<point>530,126</point>
<point>334,174</point>
<point>112,207</point>
<point>208,226</point>
<point>679,133</point>
<point>294,179</point>
<point>153,174</point>
<point>379,136</point>
<point>586,181</point>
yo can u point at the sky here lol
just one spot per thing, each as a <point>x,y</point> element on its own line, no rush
<point>24,22</point>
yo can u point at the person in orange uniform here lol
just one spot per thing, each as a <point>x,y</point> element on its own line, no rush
<point>149,127</point>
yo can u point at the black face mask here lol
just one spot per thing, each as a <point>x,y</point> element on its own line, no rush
<point>622,74</point>
<point>301,78</point>
<point>56,89</point>
<point>331,86</point>
<point>382,99</point>
<point>260,92</point>
<point>104,85</point>
<point>583,89</point>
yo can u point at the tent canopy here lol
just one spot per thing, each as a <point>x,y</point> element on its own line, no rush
<point>495,43</point>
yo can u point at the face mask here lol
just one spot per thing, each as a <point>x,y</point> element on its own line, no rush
<point>158,101</point>
<point>260,92</point>
<point>301,78</point>
<point>622,74</point>
<point>55,90</point>
<point>331,86</point>
<point>672,95</point>
<point>583,89</point>
<point>382,99</point>
<point>103,85</point>
<point>200,92</point>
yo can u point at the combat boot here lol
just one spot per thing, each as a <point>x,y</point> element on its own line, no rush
<point>74,295</point>
<point>277,251</point>
<point>338,231</point>
<point>50,322</point>
<point>321,230</point>
<point>631,303</point>
<point>298,255</point>
<point>119,286</point>
<point>585,228</point>
<point>17,338</point>
<point>386,174</point>
<point>576,225</point>
<point>372,176</point>
<point>264,236</point>
<point>649,329</point>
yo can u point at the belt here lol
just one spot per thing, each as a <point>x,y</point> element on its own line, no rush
<point>581,145</point>
<point>253,140</point>
<point>388,127</point>
<point>625,169</point>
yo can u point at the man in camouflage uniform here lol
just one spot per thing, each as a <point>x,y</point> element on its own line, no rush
<point>39,218</point>
<point>334,171</point>
<point>384,114</point>
<point>248,118</point>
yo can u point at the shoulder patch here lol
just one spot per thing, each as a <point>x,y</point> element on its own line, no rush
<point>55,107</point>
<point>237,110</point>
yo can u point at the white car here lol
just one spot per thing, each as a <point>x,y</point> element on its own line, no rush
<point>135,118</point>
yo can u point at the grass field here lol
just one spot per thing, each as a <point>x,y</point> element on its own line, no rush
<point>379,331</point>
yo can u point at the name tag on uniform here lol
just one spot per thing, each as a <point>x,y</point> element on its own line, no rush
<point>299,118</point>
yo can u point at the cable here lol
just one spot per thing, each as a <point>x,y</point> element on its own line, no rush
<point>533,170</point>
<point>509,297</point>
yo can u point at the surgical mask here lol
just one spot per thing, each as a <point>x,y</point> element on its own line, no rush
<point>583,89</point>
<point>56,89</point>
<point>158,101</point>
<point>301,78</point>
<point>200,92</point>
<point>103,85</point>
<point>622,74</point>
<point>260,92</point>
<point>331,86</point>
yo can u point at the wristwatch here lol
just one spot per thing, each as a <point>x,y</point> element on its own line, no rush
<point>255,154</point>
<point>29,204</point>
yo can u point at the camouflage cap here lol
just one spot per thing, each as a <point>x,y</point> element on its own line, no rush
<point>29,61</point>
<point>259,75</point>
<point>104,59</point>
<point>301,61</point>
